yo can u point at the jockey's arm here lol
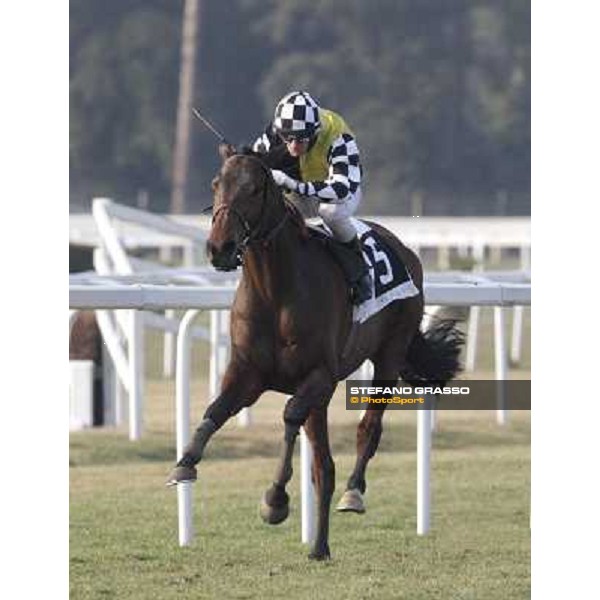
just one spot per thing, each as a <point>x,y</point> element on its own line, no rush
<point>344,175</point>
<point>273,153</point>
<point>263,143</point>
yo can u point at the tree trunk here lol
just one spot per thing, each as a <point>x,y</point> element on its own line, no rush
<point>184,108</point>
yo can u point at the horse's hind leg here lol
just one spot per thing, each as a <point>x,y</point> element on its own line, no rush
<point>368,436</point>
<point>387,364</point>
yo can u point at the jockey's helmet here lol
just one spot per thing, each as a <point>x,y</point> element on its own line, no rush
<point>297,117</point>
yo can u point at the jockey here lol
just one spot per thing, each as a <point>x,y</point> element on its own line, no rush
<point>313,152</point>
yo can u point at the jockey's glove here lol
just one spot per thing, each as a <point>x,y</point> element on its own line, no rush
<point>226,150</point>
<point>289,183</point>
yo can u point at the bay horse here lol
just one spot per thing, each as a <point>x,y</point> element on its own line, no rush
<point>292,332</point>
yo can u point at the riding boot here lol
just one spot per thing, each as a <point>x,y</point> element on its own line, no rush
<point>349,256</point>
<point>362,284</point>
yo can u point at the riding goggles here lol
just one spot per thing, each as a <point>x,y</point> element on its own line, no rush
<point>301,137</point>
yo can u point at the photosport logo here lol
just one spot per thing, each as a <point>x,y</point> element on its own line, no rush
<point>460,395</point>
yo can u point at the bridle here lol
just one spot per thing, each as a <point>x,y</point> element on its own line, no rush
<point>252,235</point>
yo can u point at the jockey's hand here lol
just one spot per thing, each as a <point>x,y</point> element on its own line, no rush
<point>284,180</point>
<point>226,150</point>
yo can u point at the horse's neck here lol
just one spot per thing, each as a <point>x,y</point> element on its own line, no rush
<point>270,268</point>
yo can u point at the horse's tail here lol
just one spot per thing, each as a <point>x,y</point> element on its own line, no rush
<point>433,355</point>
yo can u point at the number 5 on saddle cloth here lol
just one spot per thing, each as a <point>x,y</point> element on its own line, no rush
<point>391,280</point>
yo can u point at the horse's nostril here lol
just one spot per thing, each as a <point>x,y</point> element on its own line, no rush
<point>211,249</point>
<point>222,255</point>
<point>228,248</point>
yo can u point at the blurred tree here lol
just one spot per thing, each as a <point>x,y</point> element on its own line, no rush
<point>123,90</point>
<point>231,63</point>
<point>438,93</point>
<point>500,100</point>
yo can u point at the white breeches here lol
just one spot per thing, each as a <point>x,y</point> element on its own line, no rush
<point>337,216</point>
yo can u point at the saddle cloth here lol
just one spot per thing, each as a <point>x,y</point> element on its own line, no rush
<point>390,278</point>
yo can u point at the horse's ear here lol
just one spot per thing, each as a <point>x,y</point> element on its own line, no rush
<point>226,150</point>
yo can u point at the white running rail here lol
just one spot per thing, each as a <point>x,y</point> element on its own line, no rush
<point>110,294</point>
<point>125,332</point>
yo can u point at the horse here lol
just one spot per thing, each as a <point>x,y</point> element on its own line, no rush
<point>292,332</point>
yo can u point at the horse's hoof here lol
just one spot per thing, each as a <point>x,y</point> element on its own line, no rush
<point>273,515</point>
<point>320,553</point>
<point>182,475</point>
<point>275,505</point>
<point>351,501</point>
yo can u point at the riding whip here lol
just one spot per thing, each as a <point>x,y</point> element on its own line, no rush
<point>220,137</point>
<point>210,126</point>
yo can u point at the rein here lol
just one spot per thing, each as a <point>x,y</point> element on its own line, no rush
<point>253,235</point>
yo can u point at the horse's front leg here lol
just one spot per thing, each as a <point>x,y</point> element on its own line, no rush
<point>274,508</point>
<point>241,387</point>
<point>275,505</point>
<point>315,390</point>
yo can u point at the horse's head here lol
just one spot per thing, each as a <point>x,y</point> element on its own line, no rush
<point>240,198</point>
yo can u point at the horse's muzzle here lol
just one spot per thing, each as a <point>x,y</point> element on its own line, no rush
<point>225,257</point>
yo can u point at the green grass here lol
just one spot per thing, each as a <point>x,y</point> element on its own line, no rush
<point>123,521</point>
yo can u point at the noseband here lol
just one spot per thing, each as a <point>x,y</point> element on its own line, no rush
<point>253,235</point>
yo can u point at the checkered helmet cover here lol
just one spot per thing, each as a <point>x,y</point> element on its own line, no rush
<point>297,113</point>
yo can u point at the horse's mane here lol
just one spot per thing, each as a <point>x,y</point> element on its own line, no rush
<point>293,211</point>
<point>296,217</point>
